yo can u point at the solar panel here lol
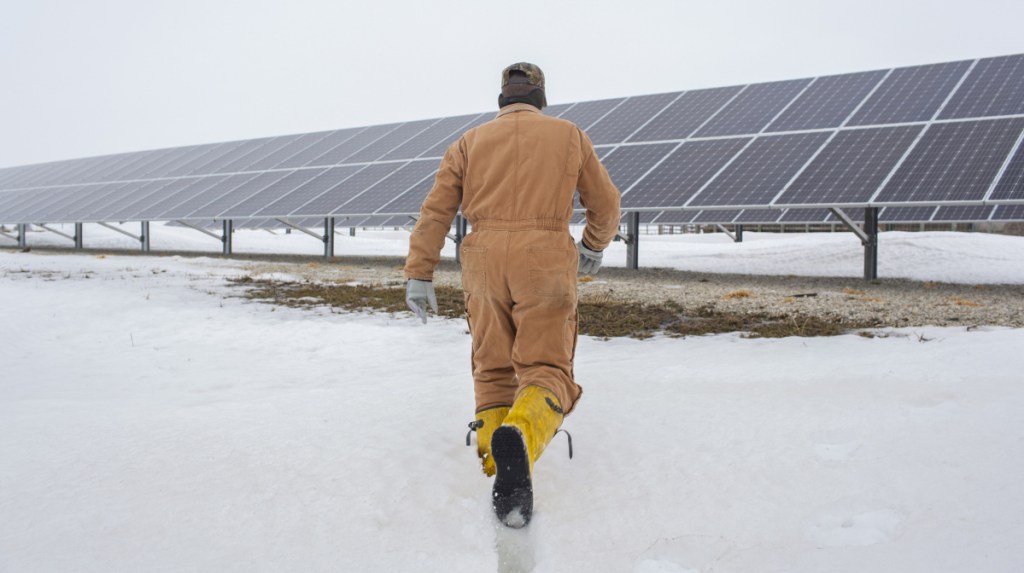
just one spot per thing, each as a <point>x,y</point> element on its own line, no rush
<point>586,113</point>
<point>439,149</point>
<point>1011,182</point>
<point>855,215</point>
<point>328,202</point>
<point>804,216</point>
<point>686,114</point>
<point>293,147</point>
<point>753,109</point>
<point>963,213</point>
<point>906,214</point>
<point>102,206</point>
<point>396,138</point>
<point>112,169</point>
<point>629,162</point>
<point>75,210</point>
<point>308,191</point>
<point>760,171</point>
<point>429,137</point>
<point>558,109</point>
<point>321,147</point>
<point>410,201</point>
<point>1009,213</point>
<point>219,189</point>
<point>911,94</point>
<point>953,162</point>
<point>27,211</point>
<point>245,162</point>
<point>147,194</point>
<point>216,204</point>
<point>682,173</point>
<point>337,154</point>
<point>196,165</point>
<point>249,206</point>
<point>387,189</point>
<point>214,165</point>
<point>994,87</point>
<point>175,196</point>
<point>851,167</point>
<point>754,216</point>
<point>827,102</point>
<point>673,217</point>
<point>198,156</point>
<point>628,117</point>
<point>144,169</point>
<point>716,216</point>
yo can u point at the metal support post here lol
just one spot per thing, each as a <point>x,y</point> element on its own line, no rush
<point>871,243</point>
<point>79,237</point>
<point>352,231</point>
<point>632,240</point>
<point>144,237</point>
<point>226,237</point>
<point>22,235</point>
<point>738,230</point>
<point>329,237</point>
<point>460,234</point>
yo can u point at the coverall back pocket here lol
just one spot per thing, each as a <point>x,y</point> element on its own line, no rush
<point>474,273</point>
<point>548,274</point>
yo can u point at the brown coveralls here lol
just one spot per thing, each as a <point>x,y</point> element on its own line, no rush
<point>514,178</point>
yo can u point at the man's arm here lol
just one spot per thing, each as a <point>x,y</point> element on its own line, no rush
<point>600,197</point>
<point>436,215</point>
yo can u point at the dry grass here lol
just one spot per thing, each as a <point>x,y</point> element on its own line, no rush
<point>599,316</point>
<point>963,302</point>
<point>737,294</point>
<point>853,291</point>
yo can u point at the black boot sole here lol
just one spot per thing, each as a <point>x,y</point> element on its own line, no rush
<point>513,489</point>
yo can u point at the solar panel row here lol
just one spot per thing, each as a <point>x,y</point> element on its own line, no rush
<point>941,134</point>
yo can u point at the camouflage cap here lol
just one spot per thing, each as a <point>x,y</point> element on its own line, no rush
<point>533,74</point>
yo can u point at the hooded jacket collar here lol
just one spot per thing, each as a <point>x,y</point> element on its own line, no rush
<point>514,107</point>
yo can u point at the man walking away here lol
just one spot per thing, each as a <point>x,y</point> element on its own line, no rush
<point>514,178</point>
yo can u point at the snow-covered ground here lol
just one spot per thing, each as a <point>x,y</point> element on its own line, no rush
<point>148,423</point>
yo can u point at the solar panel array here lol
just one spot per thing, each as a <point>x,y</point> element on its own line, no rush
<point>938,142</point>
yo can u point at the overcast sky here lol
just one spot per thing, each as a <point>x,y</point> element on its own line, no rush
<point>92,77</point>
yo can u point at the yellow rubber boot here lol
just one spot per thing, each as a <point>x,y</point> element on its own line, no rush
<point>484,425</point>
<point>515,446</point>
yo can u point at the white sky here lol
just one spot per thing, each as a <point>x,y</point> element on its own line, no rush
<point>107,76</point>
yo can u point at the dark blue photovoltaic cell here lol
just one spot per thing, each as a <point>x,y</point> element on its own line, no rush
<point>827,102</point>
<point>910,94</point>
<point>1011,183</point>
<point>686,114</point>
<point>682,174</point>
<point>585,114</point>
<point>954,162</point>
<point>906,214</point>
<point>164,168</point>
<point>963,213</point>
<point>147,194</point>
<point>851,167</point>
<point>716,216</point>
<point>761,171</point>
<point>76,210</point>
<point>97,210</point>
<point>293,147</point>
<point>247,147</point>
<point>387,189</point>
<point>144,171</point>
<point>753,109</point>
<point>629,162</point>
<point>755,216</point>
<point>1009,213</point>
<point>994,87</point>
<point>213,192</point>
<point>62,195</point>
<point>628,117</point>
<point>195,165</point>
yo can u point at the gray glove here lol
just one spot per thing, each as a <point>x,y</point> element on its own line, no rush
<point>417,294</point>
<point>590,260</point>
